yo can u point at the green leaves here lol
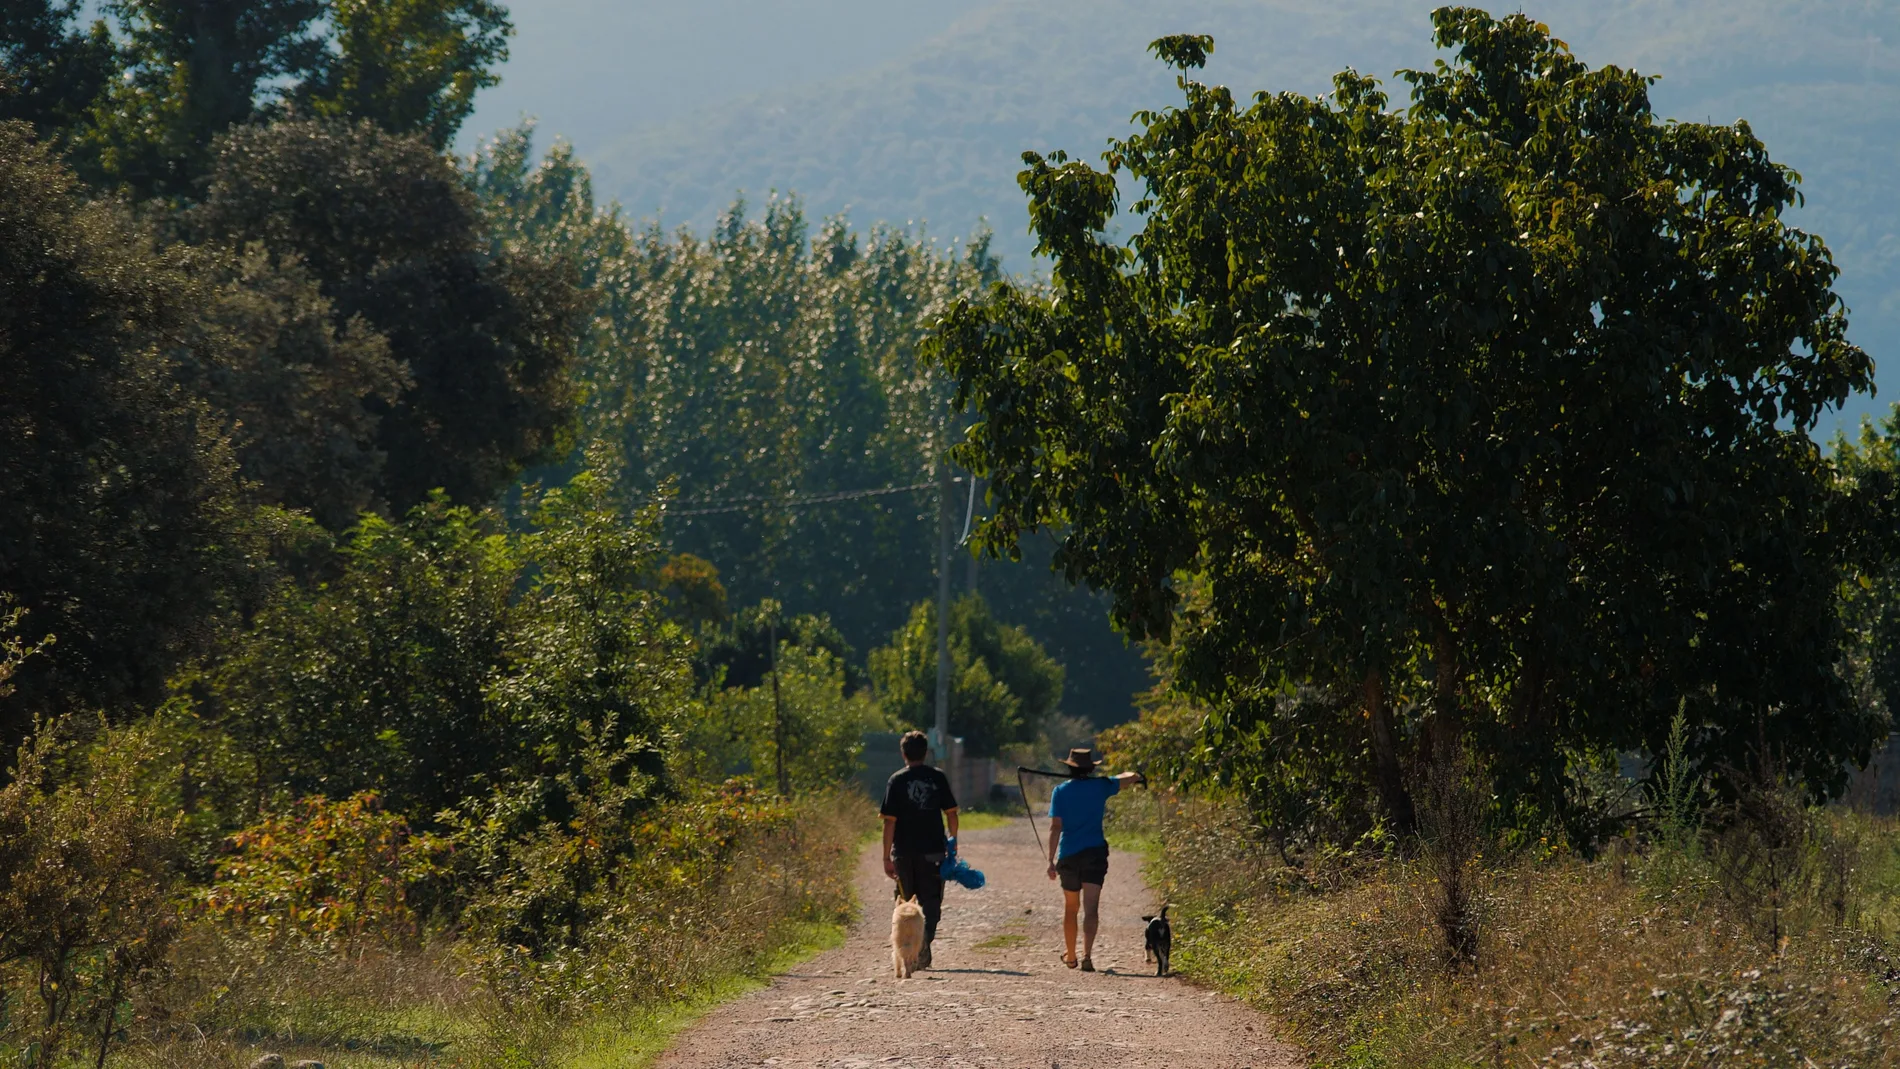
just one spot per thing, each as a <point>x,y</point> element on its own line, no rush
<point>411,66</point>
<point>1003,687</point>
<point>1499,404</point>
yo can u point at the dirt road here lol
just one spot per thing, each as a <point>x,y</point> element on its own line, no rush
<point>998,994</point>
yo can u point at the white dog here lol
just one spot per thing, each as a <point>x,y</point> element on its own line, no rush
<point>907,936</point>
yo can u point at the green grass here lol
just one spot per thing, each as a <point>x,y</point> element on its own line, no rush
<point>422,1035</point>
<point>632,1041</point>
<point>1002,942</point>
<point>982,820</point>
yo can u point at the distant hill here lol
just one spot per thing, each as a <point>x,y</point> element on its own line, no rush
<point>935,133</point>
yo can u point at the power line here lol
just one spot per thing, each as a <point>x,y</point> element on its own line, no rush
<point>715,507</point>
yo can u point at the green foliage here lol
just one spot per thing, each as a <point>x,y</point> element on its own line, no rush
<point>193,69</point>
<point>1868,469</point>
<point>739,654</point>
<point>85,877</point>
<point>142,96</point>
<point>124,530</point>
<point>450,658</point>
<point>1444,435</point>
<point>1003,686</point>
<point>755,364</point>
<point>299,386</point>
<point>51,73</point>
<point>410,66</point>
<point>385,227</point>
<point>808,710</point>
<point>342,869</point>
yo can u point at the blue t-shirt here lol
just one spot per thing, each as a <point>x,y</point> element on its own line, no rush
<point>1079,804</point>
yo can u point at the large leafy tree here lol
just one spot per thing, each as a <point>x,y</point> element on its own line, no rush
<point>450,658</point>
<point>386,227</point>
<point>1489,417</point>
<point>123,531</point>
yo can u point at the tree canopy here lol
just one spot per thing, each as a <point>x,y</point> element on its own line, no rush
<point>395,241</point>
<point>122,531</point>
<point>141,93</point>
<point>1488,415</point>
<point>1003,686</point>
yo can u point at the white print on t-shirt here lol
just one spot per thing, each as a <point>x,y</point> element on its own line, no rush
<point>921,793</point>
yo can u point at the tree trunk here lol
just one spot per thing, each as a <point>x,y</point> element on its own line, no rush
<point>1385,756</point>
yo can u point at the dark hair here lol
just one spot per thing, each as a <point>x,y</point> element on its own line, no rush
<point>914,744</point>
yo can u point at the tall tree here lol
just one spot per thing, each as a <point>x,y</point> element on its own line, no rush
<point>1003,685</point>
<point>389,231</point>
<point>195,68</point>
<point>1489,416</point>
<point>122,531</point>
<point>410,66</point>
<point>761,361</point>
<point>50,73</point>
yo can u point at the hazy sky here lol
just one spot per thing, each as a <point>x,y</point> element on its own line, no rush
<point>595,69</point>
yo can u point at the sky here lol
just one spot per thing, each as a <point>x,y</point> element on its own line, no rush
<point>906,111</point>
<point>594,70</point>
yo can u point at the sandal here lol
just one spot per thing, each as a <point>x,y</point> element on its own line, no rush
<point>1088,965</point>
<point>1069,961</point>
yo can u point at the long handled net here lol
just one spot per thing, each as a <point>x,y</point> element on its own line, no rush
<point>1037,797</point>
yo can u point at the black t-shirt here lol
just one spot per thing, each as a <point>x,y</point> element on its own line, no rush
<point>917,797</point>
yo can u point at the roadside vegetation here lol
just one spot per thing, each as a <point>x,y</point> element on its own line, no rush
<point>408,652</point>
<point>437,619</point>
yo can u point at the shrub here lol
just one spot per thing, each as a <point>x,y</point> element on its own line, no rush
<point>84,880</point>
<point>331,869</point>
<point>1576,965</point>
<point>614,911</point>
<point>806,712</point>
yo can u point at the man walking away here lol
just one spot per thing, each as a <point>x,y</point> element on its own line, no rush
<point>1078,851</point>
<point>917,802</point>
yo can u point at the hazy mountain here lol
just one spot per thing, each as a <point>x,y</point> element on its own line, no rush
<point>905,111</point>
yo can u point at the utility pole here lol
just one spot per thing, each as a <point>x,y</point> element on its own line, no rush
<point>778,714</point>
<point>941,742</point>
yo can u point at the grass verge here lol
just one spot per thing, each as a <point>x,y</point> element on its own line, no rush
<point>1634,959</point>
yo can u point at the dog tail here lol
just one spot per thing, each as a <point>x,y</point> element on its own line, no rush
<point>1164,911</point>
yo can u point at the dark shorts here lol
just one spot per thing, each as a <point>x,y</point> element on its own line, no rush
<point>1083,866</point>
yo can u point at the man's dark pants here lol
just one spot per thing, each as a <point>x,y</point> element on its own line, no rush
<point>922,875</point>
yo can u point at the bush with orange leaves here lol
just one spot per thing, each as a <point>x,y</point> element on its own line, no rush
<point>337,870</point>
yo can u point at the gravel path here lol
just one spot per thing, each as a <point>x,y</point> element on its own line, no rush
<point>998,995</point>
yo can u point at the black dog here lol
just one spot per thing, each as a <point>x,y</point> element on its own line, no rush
<point>1158,941</point>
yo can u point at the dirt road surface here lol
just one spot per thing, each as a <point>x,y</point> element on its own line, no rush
<point>998,995</point>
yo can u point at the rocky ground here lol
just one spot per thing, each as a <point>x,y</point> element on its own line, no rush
<point>998,994</point>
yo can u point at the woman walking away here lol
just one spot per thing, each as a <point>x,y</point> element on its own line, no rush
<point>1078,851</point>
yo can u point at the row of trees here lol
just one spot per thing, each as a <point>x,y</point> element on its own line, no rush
<point>1480,426</point>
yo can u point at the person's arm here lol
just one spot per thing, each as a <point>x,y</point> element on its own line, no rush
<point>1055,836</point>
<point>1125,778</point>
<point>890,832</point>
<point>950,821</point>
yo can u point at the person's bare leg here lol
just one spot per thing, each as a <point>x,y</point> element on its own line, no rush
<point>1091,917</point>
<point>1071,901</point>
